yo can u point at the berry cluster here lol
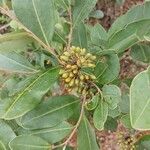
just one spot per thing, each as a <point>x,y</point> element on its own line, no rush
<point>126,142</point>
<point>72,63</point>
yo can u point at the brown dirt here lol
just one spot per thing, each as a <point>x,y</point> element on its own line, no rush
<point>112,10</point>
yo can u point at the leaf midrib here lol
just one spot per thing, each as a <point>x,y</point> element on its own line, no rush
<point>52,111</point>
<point>39,21</point>
<point>10,59</point>
<point>3,145</point>
<point>48,131</point>
<point>24,91</point>
<point>88,136</point>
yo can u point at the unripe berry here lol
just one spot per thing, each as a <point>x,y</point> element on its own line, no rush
<point>67,54</point>
<point>65,75</point>
<point>68,80</point>
<point>65,58</point>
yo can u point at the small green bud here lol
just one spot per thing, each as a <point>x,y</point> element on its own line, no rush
<point>81,77</point>
<point>74,67</point>
<point>93,57</point>
<point>68,80</point>
<point>65,75</point>
<point>71,75</point>
<point>88,55</point>
<point>65,58</point>
<point>75,71</point>
<point>87,77</point>
<point>61,71</point>
<point>83,51</point>
<point>77,82</point>
<point>71,82</point>
<point>91,65</point>
<point>92,77</point>
<point>67,54</point>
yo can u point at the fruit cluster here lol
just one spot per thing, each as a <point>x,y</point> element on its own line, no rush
<point>72,63</point>
<point>126,142</point>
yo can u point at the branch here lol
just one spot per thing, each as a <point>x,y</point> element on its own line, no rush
<point>71,29</point>
<point>75,128</point>
<point>4,27</point>
<point>98,89</point>
<point>11,16</point>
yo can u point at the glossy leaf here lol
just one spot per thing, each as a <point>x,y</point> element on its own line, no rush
<point>51,112</point>
<point>6,135</point>
<point>13,62</point>
<point>51,135</point>
<point>29,97</point>
<point>86,139</point>
<point>112,95</point>
<point>140,101</point>
<point>27,142</point>
<point>100,115</point>
<point>37,16</point>
<point>107,69</point>
<point>141,52</point>
<point>81,10</point>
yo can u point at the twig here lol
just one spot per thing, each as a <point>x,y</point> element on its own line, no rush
<point>4,27</point>
<point>71,29</point>
<point>11,16</point>
<point>98,89</point>
<point>75,128</point>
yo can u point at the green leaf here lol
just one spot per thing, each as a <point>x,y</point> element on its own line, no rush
<point>111,124</point>
<point>114,113</point>
<point>107,69</point>
<point>80,36</point>
<point>98,35</point>
<point>92,104</point>
<point>6,135</point>
<point>140,101</point>
<point>38,16</point>
<point>125,119</point>
<point>14,41</point>
<point>100,115</point>
<point>124,104</point>
<point>112,95</point>
<point>141,52</point>
<point>51,135</point>
<point>144,143</point>
<point>13,62</point>
<point>29,97</point>
<point>81,10</point>
<point>64,4</point>
<point>137,13</point>
<point>129,36</point>
<point>51,112</point>
<point>27,142</point>
<point>86,136</point>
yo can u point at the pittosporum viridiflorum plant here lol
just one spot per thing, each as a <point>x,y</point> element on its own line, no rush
<point>60,76</point>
